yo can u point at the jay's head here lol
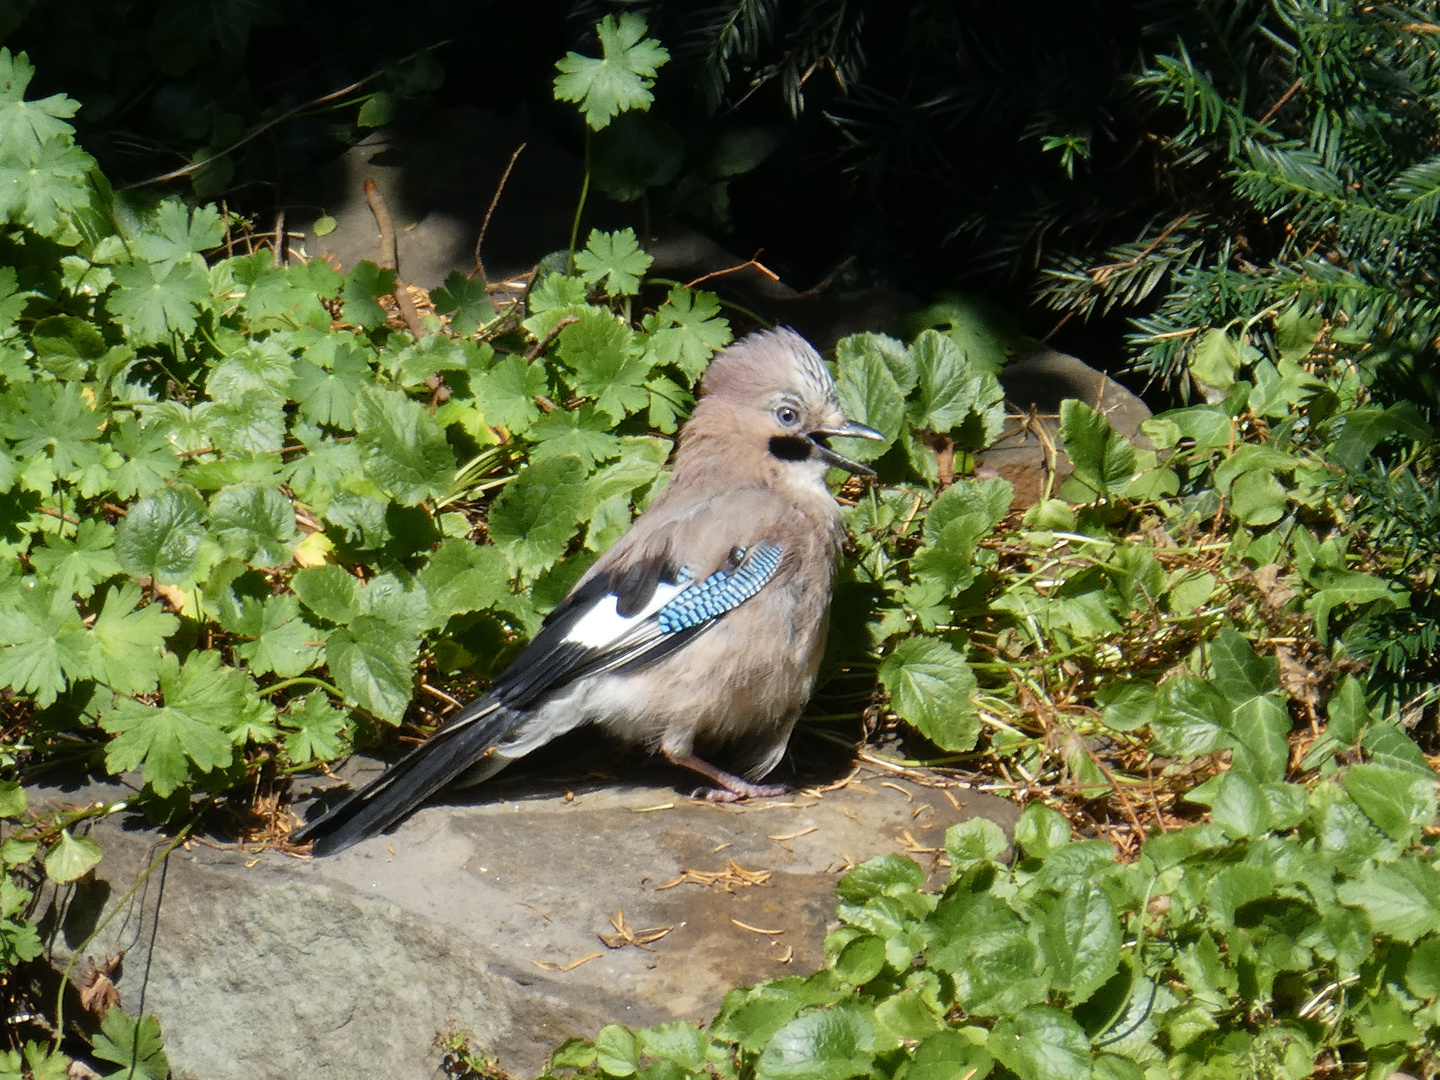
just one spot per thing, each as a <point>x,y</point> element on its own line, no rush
<point>772,391</point>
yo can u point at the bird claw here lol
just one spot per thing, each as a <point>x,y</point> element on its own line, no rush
<point>728,795</point>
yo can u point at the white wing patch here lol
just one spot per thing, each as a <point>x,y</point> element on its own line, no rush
<point>603,623</point>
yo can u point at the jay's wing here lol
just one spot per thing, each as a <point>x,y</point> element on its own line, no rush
<point>618,620</point>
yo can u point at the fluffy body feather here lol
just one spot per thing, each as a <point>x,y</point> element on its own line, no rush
<point>701,629</point>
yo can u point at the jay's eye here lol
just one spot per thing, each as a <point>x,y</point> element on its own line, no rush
<point>786,415</point>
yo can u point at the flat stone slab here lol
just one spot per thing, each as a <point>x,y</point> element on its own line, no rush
<point>488,918</point>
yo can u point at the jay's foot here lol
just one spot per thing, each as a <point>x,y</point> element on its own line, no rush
<point>730,788</point>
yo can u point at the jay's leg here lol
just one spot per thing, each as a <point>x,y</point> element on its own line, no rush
<point>731,787</point>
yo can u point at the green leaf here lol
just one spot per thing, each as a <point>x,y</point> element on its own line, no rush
<point>686,330</point>
<point>12,800</point>
<point>868,391</point>
<point>173,235</point>
<point>78,565</point>
<point>1402,900</point>
<point>505,395</point>
<point>677,1042</point>
<point>153,305</point>
<point>372,664</point>
<point>71,858</point>
<point>953,395</point>
<point>462,577</point>
<point>328,591</point>
<point>376,111</point>
<point>25,126</point>
<point>617,1051</point>
<point>160,536</point>
<point>598,349</point>
<point>285,644</point>
<point>42,191</point>
<point>1257,499</point>
<point>1191,718</point>
<point>361,292</point>
<point>149,459</point>
<point>132,641</point>
<point>404,450</point>
<point>203,701</point>
<point>976,840</point>
<point>1041,830</point>
<point>614,258</point>
<point>252,523</point>
<point>1239,806</point>
<point>1080,937</point>
<point>861,960</point>
<point>1104,460</point>
<point>585,433</point>
<point>1351,587</point>
<point>621,80</point>
<point>319,730</point>
<point>1399,803</point>
<point>882,875</point>
<point>823,1044</point>
<point>43,644</point>
<point>535,517</point>
<point>136,1046</point>
<point>932,687</point>
<point>466,301</point>
<point>1216,360</point>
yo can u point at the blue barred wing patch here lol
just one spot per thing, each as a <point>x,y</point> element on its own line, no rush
<point>721,591</point>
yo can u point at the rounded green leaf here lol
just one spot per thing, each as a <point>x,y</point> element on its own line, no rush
<point>884,875</point>
<point>861,960</point>
<point>825,1044</point>
<point>70,857</point>
<point>932,687</point>
<point>253,523</point>
<point>160,536</point>
<point>616,1050</point>
<point>1041,830</point>
<point>12,799</point>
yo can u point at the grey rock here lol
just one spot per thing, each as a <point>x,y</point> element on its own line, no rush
<point>268,965</point>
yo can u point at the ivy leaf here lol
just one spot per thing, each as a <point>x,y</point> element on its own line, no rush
<point>1399,803</point>
<point>153,306</point>
<point>404,450</point>
<point>614,258</point>
<point>687,330</point>
<point>1402,899</point>
<point>203,701</point>
<point>43,644</point>
<point>253,523</point>
<point>71,858</point>
<point>132,641</point>
<point>285,643</point>
<point>160,536</point>
<point>932,687</point>
<point>535,517</point>
<point>318,730</point>
<point>606,87</point>
<point>78,565</point>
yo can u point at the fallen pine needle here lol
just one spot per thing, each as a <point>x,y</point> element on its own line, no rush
<point>548,965</point>
<point>755,929</point>
<point>722,847</point>
<point>897,787</point>
<point>788,955</point>
<point>953,801</point>
<point>650,809</point>
<point>803,832</point>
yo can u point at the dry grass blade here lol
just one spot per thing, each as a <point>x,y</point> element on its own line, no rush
<point>625,934</point>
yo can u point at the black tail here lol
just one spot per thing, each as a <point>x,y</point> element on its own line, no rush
<point>410,781</point>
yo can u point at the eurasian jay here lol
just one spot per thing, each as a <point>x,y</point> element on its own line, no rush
<point>700,629</point>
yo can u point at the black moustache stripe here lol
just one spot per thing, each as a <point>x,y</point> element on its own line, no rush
<point>791,447</point>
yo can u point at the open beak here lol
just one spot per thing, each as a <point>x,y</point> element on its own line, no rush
<point>848,430</point>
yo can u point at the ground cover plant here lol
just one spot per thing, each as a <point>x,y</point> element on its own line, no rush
<point>249,514</point>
